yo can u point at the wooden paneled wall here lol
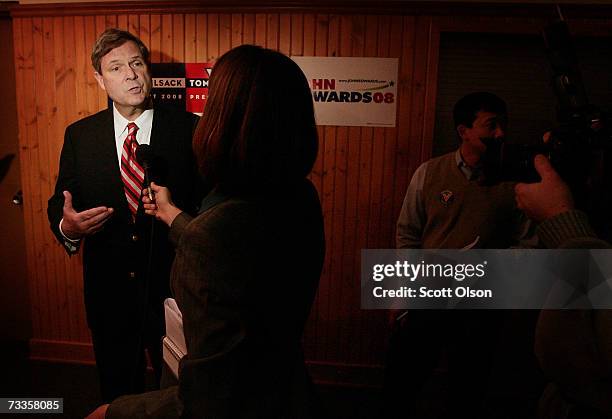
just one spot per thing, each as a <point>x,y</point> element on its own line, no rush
<point>361,173</point>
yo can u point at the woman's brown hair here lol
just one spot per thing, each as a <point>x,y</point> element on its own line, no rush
<point>258,127</point>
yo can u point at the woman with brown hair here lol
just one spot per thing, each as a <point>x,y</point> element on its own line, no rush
<point>247,267</point>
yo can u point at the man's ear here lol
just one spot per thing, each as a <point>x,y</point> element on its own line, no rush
<point>461,130</point>
<point>99,79</point>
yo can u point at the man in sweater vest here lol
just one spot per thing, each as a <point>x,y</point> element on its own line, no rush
<point>453,202</point>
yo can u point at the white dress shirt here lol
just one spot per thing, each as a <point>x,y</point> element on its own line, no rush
<point>143,135</point>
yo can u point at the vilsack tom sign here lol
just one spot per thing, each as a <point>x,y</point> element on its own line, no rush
<point>181,84</point>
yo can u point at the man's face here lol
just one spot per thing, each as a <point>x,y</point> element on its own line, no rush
<point>487,126</point>
<point>125,78</point>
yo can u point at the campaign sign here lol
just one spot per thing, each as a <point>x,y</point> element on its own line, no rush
<point>181,84</point>
<point>352,91</point>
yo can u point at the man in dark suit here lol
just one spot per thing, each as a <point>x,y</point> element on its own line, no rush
<point>126,255</point>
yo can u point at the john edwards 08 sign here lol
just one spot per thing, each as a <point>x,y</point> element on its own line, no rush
<point>352,91</point>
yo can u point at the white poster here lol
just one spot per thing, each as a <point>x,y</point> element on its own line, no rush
<point>352,91</point>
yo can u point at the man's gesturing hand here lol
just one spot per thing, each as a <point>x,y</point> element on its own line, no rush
<point>78,224</point>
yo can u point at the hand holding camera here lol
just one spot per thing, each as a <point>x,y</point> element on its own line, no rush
<point>547,198</point>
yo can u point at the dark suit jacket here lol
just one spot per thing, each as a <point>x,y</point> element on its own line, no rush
<point>245,277</point>
<point>89,170</point>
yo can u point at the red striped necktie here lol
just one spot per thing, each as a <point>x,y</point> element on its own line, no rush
<point>132,173</point>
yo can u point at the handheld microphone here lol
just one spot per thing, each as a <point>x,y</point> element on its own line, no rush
<point>145,157</point>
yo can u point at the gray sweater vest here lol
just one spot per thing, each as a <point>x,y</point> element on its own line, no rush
<point>461,212</point>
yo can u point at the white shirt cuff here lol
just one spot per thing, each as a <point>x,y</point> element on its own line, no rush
<point>64,236</point>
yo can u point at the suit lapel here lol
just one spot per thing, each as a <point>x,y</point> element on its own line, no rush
<point>161,145</point>
<point>159,131</point>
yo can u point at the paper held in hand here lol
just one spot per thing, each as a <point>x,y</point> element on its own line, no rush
<point>174,346</point>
